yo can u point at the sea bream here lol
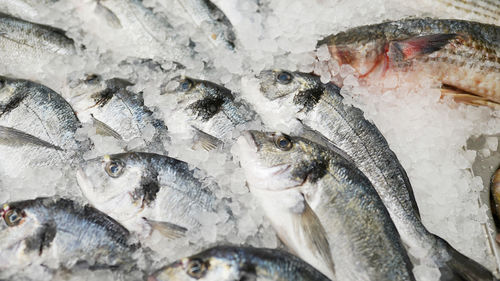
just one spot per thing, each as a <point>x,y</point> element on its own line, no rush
<point>118,112</point>
<point>147,192</point>
<point>53,232</point>
<point>463,56</point>
<point>321,107</point>
<point>38,127</point>
<point>232,263</point>
<point>323,208</point>
<point>205,111</point>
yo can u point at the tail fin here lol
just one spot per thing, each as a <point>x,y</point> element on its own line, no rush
<point>455,266</point>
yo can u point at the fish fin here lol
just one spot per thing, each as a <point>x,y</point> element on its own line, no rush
<point>167,229</point>
<point>461,96</point>
<point>12,137</point>
<point>205,141</point>
<point>418,46</point>
<point>108,15</point>
<point>315,235</point>
<point>104,130</point>
<point>455,266</point>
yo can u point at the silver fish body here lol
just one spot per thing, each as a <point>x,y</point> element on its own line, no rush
<point>133,186</point>
<point>312,182</point>
<point>228,263</point>
<point>209,108</point>
<point>118,112</point>
<point>321,107</point>
<point>32,232</point>
<point>34,110</point>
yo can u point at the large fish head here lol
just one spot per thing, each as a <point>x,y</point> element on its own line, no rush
<point>110,184</point>
<point>275,161</point>
<point>210,265</point>
<point>280,83</point>
<point>21,229</point>
<point>365,53</point>
<point>201,99</point>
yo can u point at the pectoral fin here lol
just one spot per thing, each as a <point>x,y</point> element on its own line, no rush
<point>167,229</point>
<point>205,141</point>
<point>418,46</point>
<point>108,15</point>
<point>314,235</point>
<point>13,137</point>
<point>460,96</point>
<point>104,130</point>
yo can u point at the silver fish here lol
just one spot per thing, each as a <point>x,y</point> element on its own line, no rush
<point>229,263</point>
<point>30,114</point>
<point>32,232</point>
<point>132,186</point>
<point>321,107</point>
<point>323,208</point>
<point>117,112</point>
<point>211,20</point>
<point>210,109</point>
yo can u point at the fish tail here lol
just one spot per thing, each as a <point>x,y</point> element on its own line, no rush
<point>455,266</point>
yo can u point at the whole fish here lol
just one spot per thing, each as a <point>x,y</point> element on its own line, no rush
<point>207,16</point>
<point>321,107</point>
<point>38,127</point>
<point>463,56</point>
<point>229,263</point>
<point>33,232</point>
<point>323,208</point>
<point>147,192</point>
<point>129,29</point>
<point>117,112</point>
<point>209,109</point>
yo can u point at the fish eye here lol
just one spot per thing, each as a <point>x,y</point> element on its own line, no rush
<point>185,85</point>
<point>114,168</point>
<point>283,142</point>
<point>284,77</point>
<point>196,268</point>
<point>12,217</point>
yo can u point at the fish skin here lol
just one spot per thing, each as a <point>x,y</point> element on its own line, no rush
<point>40,112</point>
<point>64,228</point>
<point>207,16</point>
<point>495,197</point>
<point>223,263</point>
<point>321,107</point>
<point>208,107</point>
<point>150,186</point>
<point>122,111</point>
<point>469,60</point>
<point>363,241</point>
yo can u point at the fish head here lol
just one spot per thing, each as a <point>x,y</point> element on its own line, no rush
<point>364,52</point>
<point>275,161</point>
<point>110,183</point>
<point>201,99</point>
<point>21,227</point>
<point>210,265</point>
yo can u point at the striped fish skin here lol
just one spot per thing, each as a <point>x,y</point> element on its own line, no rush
<point>463,56</point>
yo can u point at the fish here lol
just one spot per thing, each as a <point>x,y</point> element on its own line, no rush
<point>321,107</point>
<point>207,16</point>
<point>463,56</point>
<point>33,232</point>
<point>228,263</point>
<point>129,29</point>
<point>147,192</point>
<point>209,111</point>
<point>38,127</point>
<point>485,11</point>
<point>25,9</point>
<point>323,208</point>
<point>117,112</point>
